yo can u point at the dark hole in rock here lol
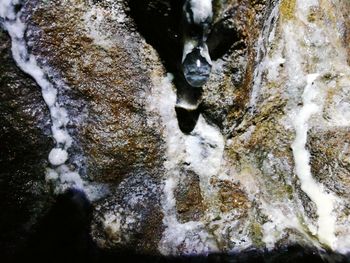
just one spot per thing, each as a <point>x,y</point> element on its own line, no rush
<point>159,21</point>
<point>222,39</point>
<point>63,234</point>
<point>187,96</point>
<point>187,119</point>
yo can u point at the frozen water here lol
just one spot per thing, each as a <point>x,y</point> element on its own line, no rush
<point>196,68</point>
<point>196,62</point>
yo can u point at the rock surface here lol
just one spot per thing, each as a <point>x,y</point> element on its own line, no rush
<point>232,181</point>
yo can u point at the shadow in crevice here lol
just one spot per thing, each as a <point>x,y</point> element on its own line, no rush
<point>187,119</point>
<point>225,37</point>
<point>187,107</point>
<point>63,235</point>
<point>159,21</point>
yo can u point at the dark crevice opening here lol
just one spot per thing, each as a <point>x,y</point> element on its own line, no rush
<point>159,22</point>
<point>187,119</point>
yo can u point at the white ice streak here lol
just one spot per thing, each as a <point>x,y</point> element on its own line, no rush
<point>204,149</point>
<point>315,191</point>
<point>262,48</point>
<point>280,218</point>
<point>59,117</point>
<point>304,45</point>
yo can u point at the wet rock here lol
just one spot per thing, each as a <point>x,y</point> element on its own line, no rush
<point>95,52</point>
<point>104,72</point>
<point>330,159</point>
<point>261,139</point>
<point>232,197</point>
<point>232,41</point>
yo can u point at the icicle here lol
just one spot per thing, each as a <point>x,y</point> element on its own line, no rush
<point>196,62</point>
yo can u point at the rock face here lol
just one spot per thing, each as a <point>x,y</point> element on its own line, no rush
<point>263,162</point>
<point>105,81</point>
<point>110,75</point>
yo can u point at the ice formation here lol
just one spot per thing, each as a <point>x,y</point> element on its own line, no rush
<point>196,61</point>
<point>324,202</point>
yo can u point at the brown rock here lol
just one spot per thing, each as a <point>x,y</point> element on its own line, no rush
<point>108,80</point>
<point>232,197</point>
<point>189,200</point>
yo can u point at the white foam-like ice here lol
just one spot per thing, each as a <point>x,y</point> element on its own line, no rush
<point>61,174</point>
<point>58,156</point>
<point>323,201</point>
<point>202,151</point>
<point>280,219</point>
<point>302,46</point>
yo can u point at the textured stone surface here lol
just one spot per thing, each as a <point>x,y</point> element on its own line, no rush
<point>105,60</point>
<point>86,48</point>
<point>189,200</point>
<point>104,70</point>
<point>232,44</point>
